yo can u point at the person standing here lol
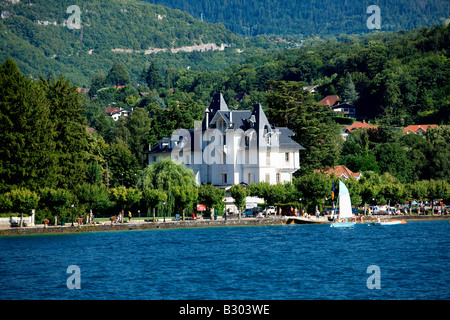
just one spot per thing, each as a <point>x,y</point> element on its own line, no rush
<point>129,216</point>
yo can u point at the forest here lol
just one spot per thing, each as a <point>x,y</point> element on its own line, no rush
<point>36,35</point>
<point>309,17</point>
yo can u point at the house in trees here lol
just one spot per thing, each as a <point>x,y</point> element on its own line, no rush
<point>116,112</point>
<point>420,129</point>
<point>342,172</point>
<point>356,125</point>
<point>345,108</point>
<point>233,147</point>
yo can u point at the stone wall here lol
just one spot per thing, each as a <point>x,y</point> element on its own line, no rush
<point>140,226</point>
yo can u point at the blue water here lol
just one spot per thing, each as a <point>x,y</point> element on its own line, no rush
<point>265,262</point>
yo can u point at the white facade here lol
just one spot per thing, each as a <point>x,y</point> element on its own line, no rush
<point>232,147</point>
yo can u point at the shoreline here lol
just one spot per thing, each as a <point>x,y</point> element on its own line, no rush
<point>143,225</point>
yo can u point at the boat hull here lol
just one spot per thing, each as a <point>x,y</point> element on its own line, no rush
<point>387,223</point>
<point>342,224</point>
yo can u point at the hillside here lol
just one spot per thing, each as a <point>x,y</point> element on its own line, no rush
<point>310,17</point>
<point>36,35</point>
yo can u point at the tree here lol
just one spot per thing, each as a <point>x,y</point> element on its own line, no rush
<point>122,164</point>
<point>138,125</point>
<point>152,76</point>
<point>211,197</point>
<point>370,186</point>
<point>97,82</point>
<point>238,193</point>
<point>153,198</point>
<point>118,75</point>
<point>57,201</point>
<point>22,200</point>
<point>94,197</point>
<point>291,106</point>
<point>391,188</point>
<point>184,197</point>
<point>163,175</point>
<point>349,93</point>
<point>314,188</point>
<point>27,156</point>
<point>124,197</point>
<point>70,136</point>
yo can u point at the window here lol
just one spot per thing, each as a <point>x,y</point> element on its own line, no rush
<point>250,177</point>
<point>268,177</point>
<point>278,177</point>
<point>286,156</point>
<point>224,178</point>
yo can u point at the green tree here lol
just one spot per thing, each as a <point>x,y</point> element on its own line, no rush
<point>314,188</point>
<point>211,197</point>
<point>138,125</point>
<point>124,197</point>
<point>22,200</point>
<point>184,197</point>
<point>152,76</point>
<point>57,201</point>
<point>97,82</point>
<point>349,93</point>
<point>94,196</point>
<point>27,156</point>
<point>291,106</point>
<point>118,75</point>
<point>71,137</point>
<point>370,187</point>
<point>238,193</point>
<point>153,198</point>
<point>163,175</point>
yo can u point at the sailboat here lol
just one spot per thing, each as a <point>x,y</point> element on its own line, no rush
<point>345,207</point>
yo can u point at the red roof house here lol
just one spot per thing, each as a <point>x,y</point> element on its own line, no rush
<point>359,125</point>
<point>343,172</point>
<point>419,129</point>
<point>329,100</point>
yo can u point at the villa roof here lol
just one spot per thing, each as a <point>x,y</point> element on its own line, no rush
<point>341,171</point>
<point>414,127</point>
<point>329,100</point>
<point>359,125</point>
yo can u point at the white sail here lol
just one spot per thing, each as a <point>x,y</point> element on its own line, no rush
<point>345,205</point>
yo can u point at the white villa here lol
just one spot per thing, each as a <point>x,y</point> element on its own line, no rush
<point>233,147</point>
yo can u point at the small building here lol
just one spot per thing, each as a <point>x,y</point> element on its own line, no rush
<point>116,112</point>
<point>329,100</point>
<point>356,125</point>
<point>419,129</point>
<point>341,172</point>
<point>345,108</point>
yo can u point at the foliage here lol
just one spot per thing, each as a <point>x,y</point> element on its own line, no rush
<point>171,178</point>
<point>124,197</point>
<point>211,197</point>
<point>118,75</point>
<point>27,152</point>
<point>291,106</point>
<point>238,193</point>
<point>57,201</point>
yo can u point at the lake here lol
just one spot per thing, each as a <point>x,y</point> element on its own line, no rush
<point>284,262</point>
